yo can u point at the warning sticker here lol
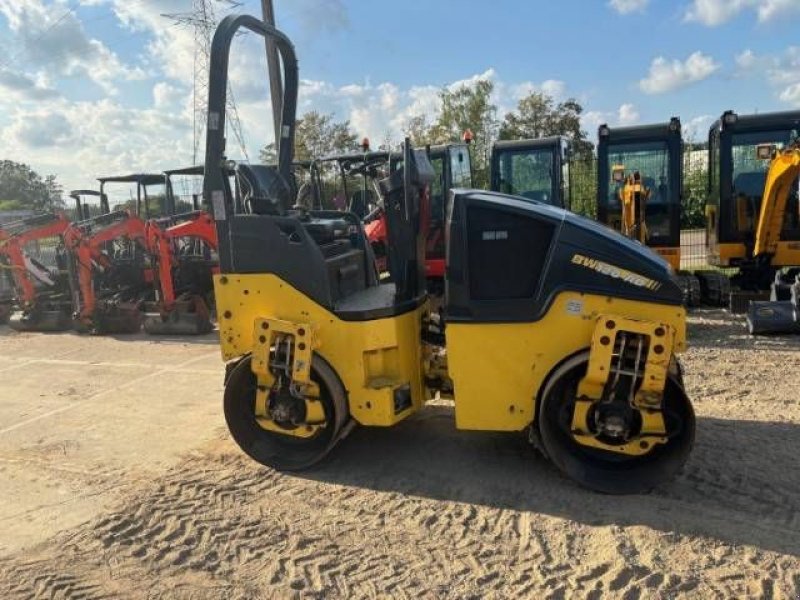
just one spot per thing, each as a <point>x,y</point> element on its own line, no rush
<point>574,307</point>
<point>218,202</point>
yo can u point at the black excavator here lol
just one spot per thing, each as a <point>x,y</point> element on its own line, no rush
<point>552,324</point>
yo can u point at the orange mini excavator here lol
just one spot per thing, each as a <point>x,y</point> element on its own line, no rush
<point>183,252</point>
<point>110,274</point>
<point>40,298</point>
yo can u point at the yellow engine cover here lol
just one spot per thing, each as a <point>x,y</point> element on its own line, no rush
<point>372,358</point>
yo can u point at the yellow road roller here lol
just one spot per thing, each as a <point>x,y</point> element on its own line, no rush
<point>552,325</point>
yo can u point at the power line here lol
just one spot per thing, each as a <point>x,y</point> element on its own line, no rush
<point>203,21</point>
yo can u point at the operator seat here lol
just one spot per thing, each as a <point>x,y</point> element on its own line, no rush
<point>264,190</point>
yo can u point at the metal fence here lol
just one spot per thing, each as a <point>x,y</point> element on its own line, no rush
<point>693,249</point>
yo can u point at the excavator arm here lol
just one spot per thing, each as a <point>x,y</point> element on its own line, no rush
<point>783,171</point>
<point>88,247</point>
<point>12,245</point>
<point>160,242</point>
<point>633,196</point>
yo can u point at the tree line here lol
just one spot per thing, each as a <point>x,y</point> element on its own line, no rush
<point>22,188</point>
<point>469,106</point>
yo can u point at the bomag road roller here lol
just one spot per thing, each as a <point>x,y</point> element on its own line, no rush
<point>552,324</point>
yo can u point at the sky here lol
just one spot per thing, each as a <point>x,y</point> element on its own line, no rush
<point>103,87</point>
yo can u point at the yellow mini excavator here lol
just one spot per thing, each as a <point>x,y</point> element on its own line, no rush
<point>753,206</point>
<point>782,313</point>
<point>552,324</point>
<point>639,191</point>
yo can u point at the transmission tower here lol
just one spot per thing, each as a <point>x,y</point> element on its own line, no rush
<point>203,21</point>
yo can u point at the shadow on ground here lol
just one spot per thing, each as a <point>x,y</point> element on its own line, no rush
<point>742,468</point>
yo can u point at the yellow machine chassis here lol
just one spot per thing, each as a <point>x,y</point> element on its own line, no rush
<point>497,369</point>
<point>649,396</point>
<point>365,354</point>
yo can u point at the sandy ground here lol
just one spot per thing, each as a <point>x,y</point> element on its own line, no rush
<point>117,480</point>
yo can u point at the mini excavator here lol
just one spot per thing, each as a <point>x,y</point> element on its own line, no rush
<point>181,248</point>
<point>639,191</point>
<point>781,314</point>
<point>41,295</point>
<point>552,324</point>
<point>753,211</point>
<point>110,276</point>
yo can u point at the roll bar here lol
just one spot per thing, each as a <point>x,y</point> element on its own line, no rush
<point>214,183</point>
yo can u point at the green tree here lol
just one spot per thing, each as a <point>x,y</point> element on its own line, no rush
<point>538,115</point>
<point>419,131</point>
<point>316,135</point>
<point>469,107</point>
<point>695,182</point>
<point>23,188</point>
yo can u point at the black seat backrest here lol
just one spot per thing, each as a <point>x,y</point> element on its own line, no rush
<point>264,190</point>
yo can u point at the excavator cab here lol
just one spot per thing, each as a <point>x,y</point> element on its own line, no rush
<point>537,169</point>
<point>741,172</point>
<point>552,326</point>
<point>149,200</point>
<point>753,215</point>
<point>639,190</point>
<point>84,209</point>
<point>650,158</point>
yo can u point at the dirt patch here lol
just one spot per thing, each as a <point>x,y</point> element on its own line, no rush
<point>422,510</point>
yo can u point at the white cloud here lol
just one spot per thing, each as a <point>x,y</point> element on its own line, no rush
<point>627,114</point>
<point>166,94</point>
<point>23,87</point>
<point>80,141</point>
<point>665,75</point>
<point>772,9</point>
<point>696,128</point>
<point>791,95</point>
<point>52,39</point>
<point>779,71</point>
<point>746,60</point>
<point>716,12</point>
<point>42,129</point>
<point>625,7</point>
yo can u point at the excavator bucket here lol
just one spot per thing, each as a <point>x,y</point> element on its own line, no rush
<point>119,319</point>
<point>776,317</point>
<point>40,320</point>
<point>772,318</point>
<point>188,317</point>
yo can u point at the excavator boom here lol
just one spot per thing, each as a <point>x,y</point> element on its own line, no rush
<point>783,172</point>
